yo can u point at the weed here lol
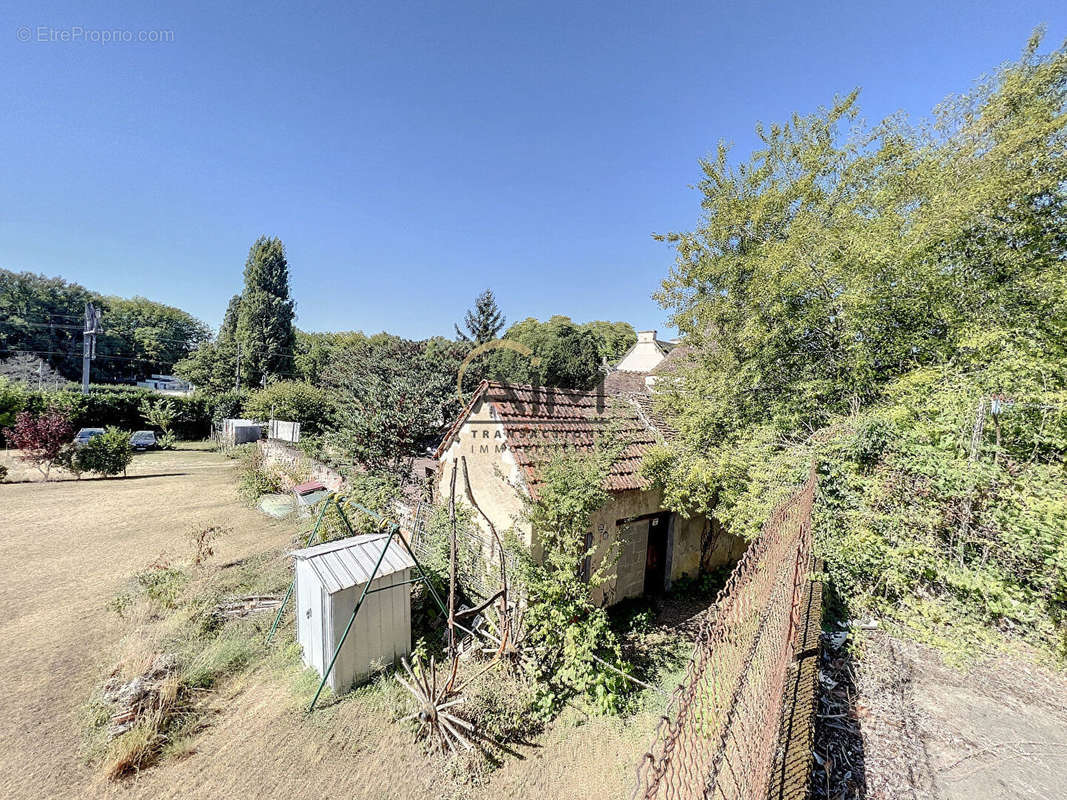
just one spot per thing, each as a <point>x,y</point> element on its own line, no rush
<point>203,540</point>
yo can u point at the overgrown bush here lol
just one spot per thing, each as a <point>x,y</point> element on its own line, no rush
<point>571,635</point>
<point>294,401</point>
<point>889,301</point>
<point>107,454</point>
<point>255,477</point>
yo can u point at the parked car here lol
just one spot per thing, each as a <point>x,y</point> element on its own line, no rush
<point>85,434</point>
<point>143,440</point>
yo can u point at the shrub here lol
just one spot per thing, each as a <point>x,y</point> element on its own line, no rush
<point>3,473</point>
<point>160,413</point>
<point>42,438</point>
<point>12,401</point>
<point>255,478</point>
<point>499,703</point>
<point>107,454</point>
<point>167,441</point>
<point>293,401</point>
<point>571,634</point>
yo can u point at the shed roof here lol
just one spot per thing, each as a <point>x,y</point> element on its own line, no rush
<point>349,562</point>
<point>538,418</point>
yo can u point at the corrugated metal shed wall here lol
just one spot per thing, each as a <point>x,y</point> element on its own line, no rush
<point>330,579</point>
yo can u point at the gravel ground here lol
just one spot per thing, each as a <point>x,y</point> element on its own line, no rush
<point>899,723</point>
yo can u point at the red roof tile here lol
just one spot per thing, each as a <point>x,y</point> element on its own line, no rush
<point>538,419</point>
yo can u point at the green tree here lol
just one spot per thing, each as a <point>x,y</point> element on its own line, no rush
<point>613,339</point>
<point>159,413</point>
<point>861,296</point>
<point>567,355</point>
<point>264,328</point>
<point>43,316</point>
<point>392,397</point>
<point>293,401</point>
<point>483,322</point>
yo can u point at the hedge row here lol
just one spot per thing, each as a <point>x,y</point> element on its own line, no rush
<point>121,407</point>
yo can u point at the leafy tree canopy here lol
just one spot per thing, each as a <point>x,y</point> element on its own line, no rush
<point>43,317</point>
<point>892,302</point>
<point>567,353</point>
<point>392,398</point>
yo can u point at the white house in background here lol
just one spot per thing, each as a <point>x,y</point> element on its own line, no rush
<point>166,384</point>
<point>646,354</point>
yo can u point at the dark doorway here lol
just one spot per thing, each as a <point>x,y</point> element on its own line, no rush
<point>656,556</point>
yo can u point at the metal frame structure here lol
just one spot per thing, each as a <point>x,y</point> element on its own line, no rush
<point>393,529</point>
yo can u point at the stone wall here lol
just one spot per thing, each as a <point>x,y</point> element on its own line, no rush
<point>293,461</point>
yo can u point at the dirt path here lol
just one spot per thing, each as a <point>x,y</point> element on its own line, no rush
<point>901,724</point>
<point>65,549</point>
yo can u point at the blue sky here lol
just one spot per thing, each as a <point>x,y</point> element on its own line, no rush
<point>411,154</point>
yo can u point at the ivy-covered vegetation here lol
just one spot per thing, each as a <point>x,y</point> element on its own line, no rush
<point>891,301</point>
<point>573,638</point>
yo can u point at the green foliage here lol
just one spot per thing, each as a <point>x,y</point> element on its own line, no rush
<point>568,631</point>
<point>255,478</point>
<point>392,397</point>
<point>12,401</point>
<point>265,319</point>
<point>315,351</point>
<point>167,441</point>
<point>853,295</point>
<point>161,584</point>
<point>293,401</point>
<point>613,339</point>
<point>139,336</point>
<point>569,354</point>
<point>483,322</point>
<point>161,413</point>
<point>107,454</point>
<point>121,406</point>
<point>223,405</point>
<point>212,367</point>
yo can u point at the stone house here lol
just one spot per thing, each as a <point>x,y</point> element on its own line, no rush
<point>506,432</point>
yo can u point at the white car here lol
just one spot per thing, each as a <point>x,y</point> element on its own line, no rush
<point>143,440</point>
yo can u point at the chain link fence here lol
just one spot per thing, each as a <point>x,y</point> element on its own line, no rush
<point>718,734</point>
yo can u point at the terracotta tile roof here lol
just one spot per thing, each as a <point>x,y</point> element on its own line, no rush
<point>622,382</point>
<point>537,419</point>
<point>679,356</point>
<point>655,420</point>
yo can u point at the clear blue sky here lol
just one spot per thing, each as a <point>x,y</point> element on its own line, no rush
<point>411,154</point>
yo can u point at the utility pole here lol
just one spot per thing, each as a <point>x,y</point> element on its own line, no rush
<point>237,377</point>
<point>92,327</point>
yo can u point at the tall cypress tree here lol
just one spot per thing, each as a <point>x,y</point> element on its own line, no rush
<point>265,319</point>
<point>484,321</point>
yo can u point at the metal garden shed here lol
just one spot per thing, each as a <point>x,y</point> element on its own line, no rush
<point>332,579</point>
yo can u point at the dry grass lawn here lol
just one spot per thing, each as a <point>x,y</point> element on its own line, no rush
<point>67,547</point>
